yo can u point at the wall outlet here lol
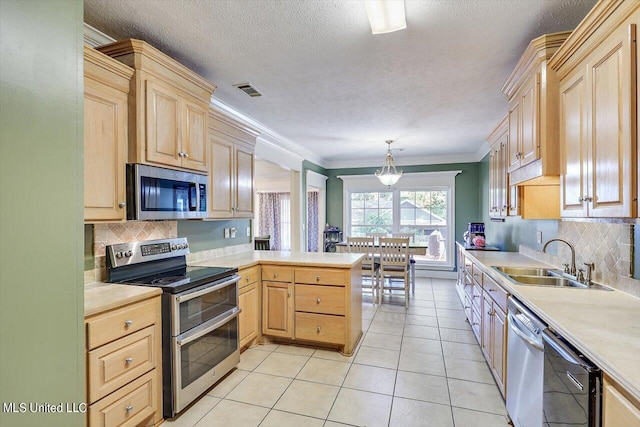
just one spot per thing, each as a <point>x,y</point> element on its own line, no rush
<point>226,233</point>
<point>233,232</point>
<point>539,236</point>
<point>248,231</point>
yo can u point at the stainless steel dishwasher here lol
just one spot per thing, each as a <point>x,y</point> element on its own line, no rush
<point>572,385</point>
<point>525,365</point>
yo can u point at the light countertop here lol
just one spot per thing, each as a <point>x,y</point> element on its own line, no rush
<point>100,296</point>
<point>604,325</point>
<point>303,259</point>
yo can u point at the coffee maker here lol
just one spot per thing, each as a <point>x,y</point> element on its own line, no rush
<point>474,230</point>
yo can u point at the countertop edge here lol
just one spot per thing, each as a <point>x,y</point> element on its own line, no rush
<point>117,296</point>
<point>249,259</point>
<point>604,364</point>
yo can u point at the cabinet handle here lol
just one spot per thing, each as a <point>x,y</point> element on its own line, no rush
<point>122,204</point>
<point>466,306</point>
<point>288,293</point>
<point>246,278</point>
<point>128,323</point>
<point>588,199</point>
<point>129,408</point>
<point>275,275</point>
<point>476,296</point>
<point>318,300</point>
<point>318,329</point>
<point>317,278</point>
<point>128,360</point>
<point>476,324</point>
<point>185,155</point>
<point>581,199</point>
<point>491,290</point>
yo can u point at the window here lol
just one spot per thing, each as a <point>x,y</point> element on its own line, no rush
<point>422,205</point>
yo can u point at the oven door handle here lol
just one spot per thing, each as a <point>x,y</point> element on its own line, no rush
<point>208,329</point>
<point>187,297</point>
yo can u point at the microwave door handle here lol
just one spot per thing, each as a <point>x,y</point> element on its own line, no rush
<point>187,297</point>
<point>205,331</point>
<point>566,353</point>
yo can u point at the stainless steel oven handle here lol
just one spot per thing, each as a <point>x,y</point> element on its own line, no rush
<point>216,325</point>
<point>187,297</point>
<point>513,324</point>
<point>564,351</point>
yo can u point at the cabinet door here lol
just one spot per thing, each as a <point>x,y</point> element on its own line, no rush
<point>105,152</point>
<point>248,319</point>
<point>244,163</point>
<point>194,144</point>
<point>164,124</point>
<point>513,161</point>
<point>486,328</point>
<point>493,193</point>
<point>499,349</point>
<point>277,309</point>
<point>573,145</point>
<point>612,145</point>
<point>617,410</point>
<point>501,178</point>
<point>514,200</point>
<point>529,147</point>
<point>220,178</point>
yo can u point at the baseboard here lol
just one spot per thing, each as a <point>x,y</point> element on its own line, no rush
<point>437,274</point>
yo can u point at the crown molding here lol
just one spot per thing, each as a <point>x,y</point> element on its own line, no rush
<point>95,38</point>
<point>414,161</point>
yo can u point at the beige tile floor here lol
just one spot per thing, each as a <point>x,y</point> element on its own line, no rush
<point>419,366</point>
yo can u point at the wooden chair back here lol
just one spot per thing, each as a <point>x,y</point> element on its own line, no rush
<point>394,252</point>
<point>410,236</point>
<point>362,245</point>
<point>376,236</point>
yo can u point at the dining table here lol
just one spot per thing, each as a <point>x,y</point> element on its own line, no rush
<point>414,249</point>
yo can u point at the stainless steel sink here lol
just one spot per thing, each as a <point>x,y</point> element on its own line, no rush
<point>531,276</point>
<point>524,271</point>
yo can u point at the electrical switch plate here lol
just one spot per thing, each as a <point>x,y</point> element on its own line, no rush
<point>226,233</point>
<point>233,232</point>
<point>539,236</point>
<point>248,231</point>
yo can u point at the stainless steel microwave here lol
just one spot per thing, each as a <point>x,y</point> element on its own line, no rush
<point>155,193</point>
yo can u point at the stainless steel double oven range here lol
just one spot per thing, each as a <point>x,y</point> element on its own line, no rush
<point>200,342</point>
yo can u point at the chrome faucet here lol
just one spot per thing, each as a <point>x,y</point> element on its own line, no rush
<point>573,253</point>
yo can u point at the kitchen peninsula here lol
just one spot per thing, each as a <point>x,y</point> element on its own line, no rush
<point>308,298</point>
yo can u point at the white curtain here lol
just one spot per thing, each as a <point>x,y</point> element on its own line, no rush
<point>312,221</point>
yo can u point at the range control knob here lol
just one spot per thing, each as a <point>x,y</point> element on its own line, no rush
<point>174,247</point>
<point>186,245</point>
<point>128,254</point>
<point>118,255</point>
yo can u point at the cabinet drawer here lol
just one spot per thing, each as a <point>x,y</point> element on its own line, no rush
<point>476,297</point>
<point>322,276</point>
<point>277,273</point>
<point>123,321</point>
<point>475,321</point>
<point>320,327</point>
<point>477,274</point>
<point>468,285</point>
<point>248,276</point>
<point>320,299</point>
<point>497,292</point>
<point>115,364</point>
<point>130,406</point>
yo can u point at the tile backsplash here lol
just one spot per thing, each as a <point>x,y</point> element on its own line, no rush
<point>608,245</point>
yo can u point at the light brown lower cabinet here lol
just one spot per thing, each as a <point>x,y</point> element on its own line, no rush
<point>124,365</point>
<point>249,288</point>
<point>618,407</point>
<point>277,309</point>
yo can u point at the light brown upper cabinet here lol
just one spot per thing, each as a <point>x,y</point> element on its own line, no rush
<point>231,177</point>
<point>106,90</point>
<point>533,111</point>
<point>597,72</point>
<point>168,121</point>
<point>498,180</point>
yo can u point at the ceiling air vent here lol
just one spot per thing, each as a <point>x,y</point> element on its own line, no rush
<point>248,89</point>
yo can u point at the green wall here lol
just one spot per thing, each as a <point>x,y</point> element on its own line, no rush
<point>514,231</point>
<point>41,214</point>
<point>206,235</point>
<point>467,195</point>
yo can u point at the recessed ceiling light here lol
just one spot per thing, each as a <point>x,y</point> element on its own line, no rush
<point>386,16</point>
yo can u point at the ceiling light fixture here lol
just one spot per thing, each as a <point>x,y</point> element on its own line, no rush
<point>388,175</point>
<point>386,16</point>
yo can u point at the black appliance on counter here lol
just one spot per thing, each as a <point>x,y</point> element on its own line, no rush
<point>200,341</point>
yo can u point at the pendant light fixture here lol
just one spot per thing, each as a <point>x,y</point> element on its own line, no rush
<point>388,175</point>
<point>386,16</point>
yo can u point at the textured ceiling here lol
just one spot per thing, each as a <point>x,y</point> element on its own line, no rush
<point>331,86</point>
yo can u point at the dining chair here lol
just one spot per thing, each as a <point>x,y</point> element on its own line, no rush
<point>412,262</point>
<point>366,246</point>
<point>394,264</point>
<point>376,236</point>
<point>262,243</point>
